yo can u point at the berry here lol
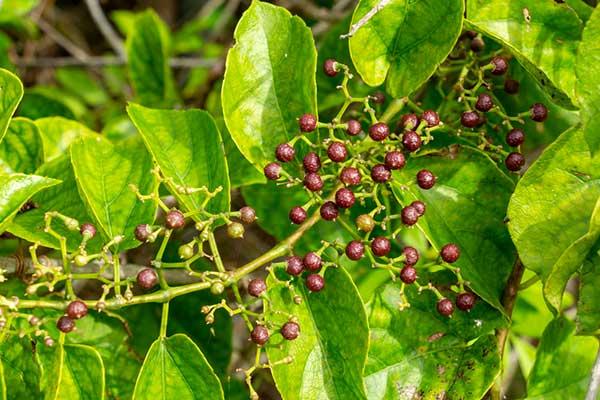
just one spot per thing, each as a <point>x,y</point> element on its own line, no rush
<point>235,230</point>
<point>294,265</point>
<point>142,232</point>
<point>285,152</point>
<point>337,152</point>
<point>330,68</point>
<point>175,219</point>
<point>500,65</point>
<point>77,309</point>
<point>378,98</point>
<point>313,182</point>
<point>409,215</point>
<point>514,161</point>
<point>450,253</point>
<point>272,171</point>
<point>48,341</point>
<point>465,301</point>
<point>297,215</point>
<point>315,282</point>
<point>259,335</point>
<point>290,330</point>
<point>431,117</point>
<point>311,162</point>
<point>354,127</point>
<point>88,230</point>
<point>380,174</point>
<point>379,131</point>
<point>307,122</point>
<point>381,246</point>
<point>470,119</point>
<point>312,261</point>
<point>329,211</point>
<point>350,176</point>
<point>471,34</point>
<point>515,137</point>
<point>484,102</point>
<point>344,198</point>
<point>365,223</point>
<point>247,215</point>
<point>419,206</point>
<point>217,288</point>
<point>409,122</point>
<point>411,255</point>
<point>445,307</point>
<point>186,251</point>
<point>80,260</point>
<point>425,179</point>
<point>408,274</point>
<point>477,44</point>
<point>395,160</point>
<point>539,112</point>
<point>355,250</point>
<point>411,141</point>
<point>65,324</point>
<point>256,287</point>
<point>511,86</point>
<point>147,278</point>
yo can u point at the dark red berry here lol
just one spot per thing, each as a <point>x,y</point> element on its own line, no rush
<point>511,86</point>
<point>337,152</point>
<point>411,141</point>
<point>477,44</point>
<point>290,330</point>
<point>500,65</point>
<point>431,117</point>
<point>408,274</point>
<point>365,223</point>
<point>175,219</point>
<point>294,265</point>
<point>409,215</point>
<point>344,198</point>
<point>311,162</point>
<point>484,102</point>
<point>470,119</point>
<point>355,250</point>
<point>247,215</point>
<point>450,253</point>
<point>297,215</point>
<point>425,179</point>
<point>65,324</point>
<point>380,174</point>
<point>259,335</point>
<point>465,301</point>
<point>539,112</point>
<point>419,206</point>
<point>411,255</point>
<point>272,171</point>
<point>285,152</point>
<point>77,309</point>
<point>147,278</point>
<point>515,137</point>
<point>445,307</point>
<point>256,287</point>
<point>471,34</point>
<point>379,131</point>
<point>313,182</point>
<point>329,66</point>
<point>315,282</point>
<point>142,232</point>
<point>354,127</point>
<point>88,230</point>
<point>409,122</point>
<point>395,160</point>
<point>329,211</point>
<point>312,261</point>
<point>381,246</point>
<point>307,122</point>
<point>378,98</point>
<point>514,161</point>
<point>350,176</point>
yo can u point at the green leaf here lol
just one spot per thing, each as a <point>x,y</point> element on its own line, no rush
<point>563,363</point>
<point>36,105</point>
<point>21,369</point>
<point>11,93</point>
<point>104,172</point>
<point>551,209</point>
<point>188,148</point>
<point>588,79</point>
<point>59,133</point>
<point>588,304</point>
<point>467,206</point>
<point>15,190</point>
<point>404,42</point>
<point>15,9</point>
<point>22,149</point>
<point>330,353</point>
<point>80,83</point>
<point>176,368</point>
<point>148,51</point>
<point>269,80</point>
<point>2,383</point>
<point>526,28</point>
<point>73,372</point>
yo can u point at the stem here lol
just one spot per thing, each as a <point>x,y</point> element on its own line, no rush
<point>164,319</point>
<point>594,386</point>
<point>117,274</point>
<point>214,249</point>
<point>394,108</point>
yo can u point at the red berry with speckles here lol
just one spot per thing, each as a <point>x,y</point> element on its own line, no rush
<point>411,141</point>
<point>408,274</point>
<point>419,206</point>
<point>500,65</point>
<point>147,278</point>
<point>77,309</point>
<point>313,182</point>
<point>381,246</point>
<point>465,301</point>
<point>411,255</point>
<point>350,176</point>
<point>409,215</point>
<point>431,117</point>
<point>450,253</point>
<point>272,171</point>
<point>294,265</point>
<point>290,330</point>
<point>312,261</point>
<point>329,211</point>
<point>256,287</point>
<point>315,282</point>
<point>307,122</point>
<point>355,250</point>
<point>175,219</point>
<point>395,160</point>
<point>515,137</point>
<point>425,179</point>
<point>330,67</point>
<point>514,161</point>
<point>311,162</point>
<point>344,198</point>
<point>445,307</point>
<point>353,127</point>
<point>285,152</point>
<point>484,102</point>
<point>409,122</point>
<point>337,152</point>
<point>539,112</point>
<point>470,119</point>
<point>380,174</point>
<point>297,215</point>
<point>260,335</point>
<point>379,131</point>
<point>65,324</point>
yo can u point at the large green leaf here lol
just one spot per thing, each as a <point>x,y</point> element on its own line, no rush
<point>269,80</point>
<point>330,353</point>
<point>588,304</point>
<point>467,206</point>
<point>22,149</point>
<point>11,92</point>
<point>15,190</point>
<point>148,50</point>
<point>175,368</point>
<point>188,148</point>
<point>543,35</point>
<point>404,42</point>
<point>2,383</point>
<point>588,80</point>
<point>550,212</point>
<point>21,369</point>
<point>59,133</point>
<point>80,83</point>
<point>73,372</point>
<point>15,9</point>
<point>563,363</point>
<point>103,172</point>
<point>417,352</point>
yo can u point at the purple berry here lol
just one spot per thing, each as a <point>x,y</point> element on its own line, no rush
<point>307,122</point>
<point>294,265</point>
<point>311,162</point>
<point>381,246</point>
<point>380,174</point>
<point>344,198</point>
<point>450,253</point>
<point>379,131</point>
<point>355,250</point>
<point>337,152</point>
<point>329,211</point>
<point>272,171</point>
<point>411,141</point>
<point>297,215</point>
<point>395,160</point>
<point>315,282</point>
<point>350,176</point>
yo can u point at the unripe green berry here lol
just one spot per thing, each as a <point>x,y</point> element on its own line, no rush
<point>186,251</point>
<point>235,230</point>
<point>217,288</point>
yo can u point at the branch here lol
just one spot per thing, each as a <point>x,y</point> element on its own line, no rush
<point>106,28</point>
<point>94,61</point>
<point>594,387</point>
<point>63,41</point>
<point>366,18</point>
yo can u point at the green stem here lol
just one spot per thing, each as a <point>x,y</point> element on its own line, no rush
<point>214,249</point>
<point>117,274</point>
<point>164,319</point>
<point>394,108</point>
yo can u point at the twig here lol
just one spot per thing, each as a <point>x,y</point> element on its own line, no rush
<point>94,61</point>
<point>340,8</point>
<point>63,41</point>
<point>105,27</point>
<point>366,18</point>
<point>594,386</point>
